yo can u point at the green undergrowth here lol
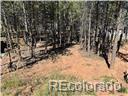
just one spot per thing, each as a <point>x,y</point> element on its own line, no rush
<point>15,86</point>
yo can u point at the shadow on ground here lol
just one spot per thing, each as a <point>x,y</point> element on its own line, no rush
<point>28,62</point>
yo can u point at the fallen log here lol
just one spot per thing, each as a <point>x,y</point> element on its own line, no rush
<point>123,56</point>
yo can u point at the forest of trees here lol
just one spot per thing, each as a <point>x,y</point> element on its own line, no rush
<point>99,27</point>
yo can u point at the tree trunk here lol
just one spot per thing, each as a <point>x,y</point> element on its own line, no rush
<point>89,30</point>
<point>119,27</point>
<point>17,35</point>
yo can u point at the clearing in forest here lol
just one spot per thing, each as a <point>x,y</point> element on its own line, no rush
<point>75,64</point>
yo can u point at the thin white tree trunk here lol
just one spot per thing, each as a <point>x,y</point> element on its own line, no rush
<point>25,18</point>
<point>89,30</point>
<point>119,28</point>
